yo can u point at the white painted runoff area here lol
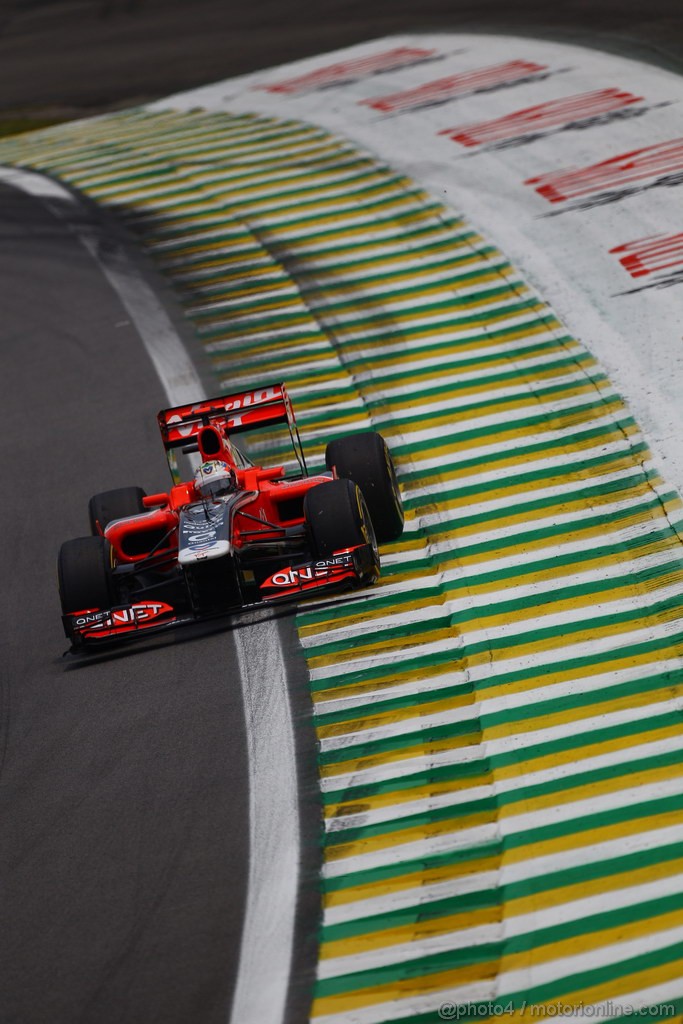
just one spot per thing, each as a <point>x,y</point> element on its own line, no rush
<point>479,142</point>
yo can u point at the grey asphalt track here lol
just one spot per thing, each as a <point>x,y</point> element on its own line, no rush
<point>123,791</point>
<point>123,782</point>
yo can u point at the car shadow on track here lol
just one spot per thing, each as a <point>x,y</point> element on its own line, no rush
<point>188,633</point>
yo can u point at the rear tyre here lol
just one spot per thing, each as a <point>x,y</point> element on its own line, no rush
<point>120,503</point>
<point>85,574</point>
<point>365,459</point>
<point>338,518</point>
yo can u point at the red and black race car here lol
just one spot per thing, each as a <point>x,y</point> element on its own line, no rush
<point>236,535</point>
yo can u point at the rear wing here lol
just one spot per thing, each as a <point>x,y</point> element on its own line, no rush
<point>231,414</point>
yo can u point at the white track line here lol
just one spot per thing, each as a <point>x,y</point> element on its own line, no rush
<point>268,935</point>
<point>274,840</point>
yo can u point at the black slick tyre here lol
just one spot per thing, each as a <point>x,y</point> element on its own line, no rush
<point>365,459</point>
<point>84,569</point>
<point>338,518</point>
<point>120,503</point>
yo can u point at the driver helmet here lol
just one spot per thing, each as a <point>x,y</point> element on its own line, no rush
<point>214,478</point>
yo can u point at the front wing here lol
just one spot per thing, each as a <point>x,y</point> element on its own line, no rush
<point>96,627</point>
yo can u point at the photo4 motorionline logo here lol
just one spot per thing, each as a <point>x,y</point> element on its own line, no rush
<point>606,1010</point>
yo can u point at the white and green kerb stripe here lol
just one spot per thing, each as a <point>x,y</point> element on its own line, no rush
<point>500,718</point>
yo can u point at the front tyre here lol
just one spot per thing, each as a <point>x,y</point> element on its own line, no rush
<point>84,569</point>
<point>338,518</point>
<point>365,459</point>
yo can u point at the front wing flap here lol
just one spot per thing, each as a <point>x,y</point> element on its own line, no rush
<point>98,626</point>
<point>353,565</point>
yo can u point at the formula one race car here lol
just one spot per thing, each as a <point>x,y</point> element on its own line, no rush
<point>236,535</point>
